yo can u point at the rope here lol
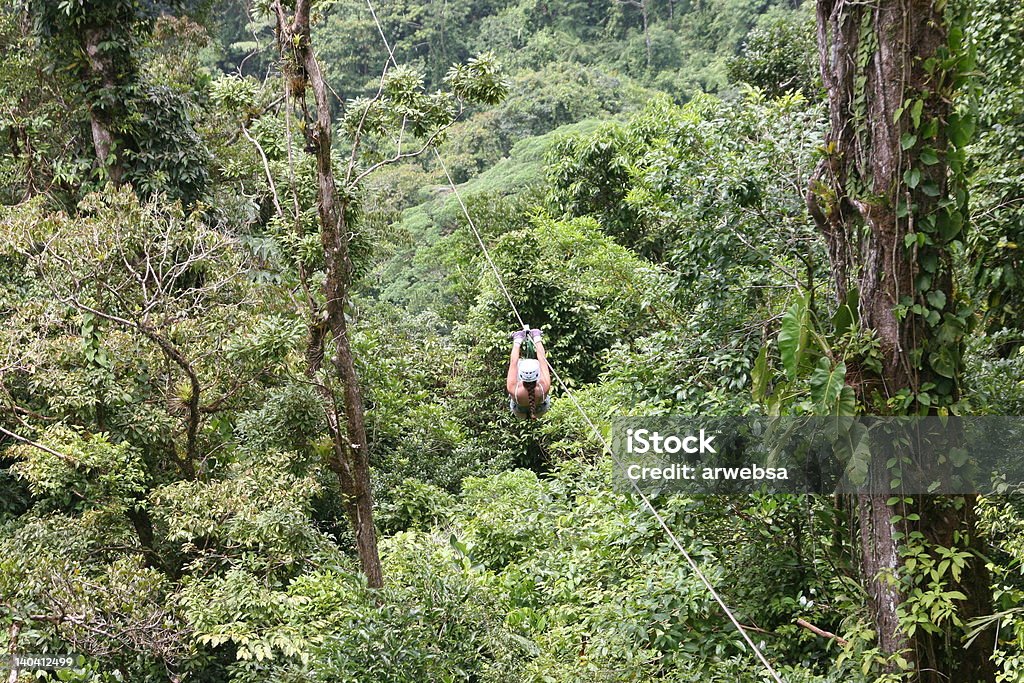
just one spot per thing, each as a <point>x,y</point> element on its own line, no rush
<point>597,432</point>
<point>664,525</point>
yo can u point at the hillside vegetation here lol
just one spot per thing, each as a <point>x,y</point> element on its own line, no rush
<point>187,305</point>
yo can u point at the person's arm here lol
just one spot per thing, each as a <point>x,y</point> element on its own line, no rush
<point>512,378</point>
<point>545,373</point>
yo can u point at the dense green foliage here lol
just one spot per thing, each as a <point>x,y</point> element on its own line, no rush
<point>167,507</point>
<point>997,157</point>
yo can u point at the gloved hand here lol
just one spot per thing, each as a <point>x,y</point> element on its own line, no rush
<point>519,336</point>
<point>535,334</point>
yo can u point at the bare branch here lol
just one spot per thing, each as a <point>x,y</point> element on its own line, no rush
<point>821,632</point>
<point>35,444</point>
<point>357,137</point>
<point>266,169</point>
<point>406,155</point>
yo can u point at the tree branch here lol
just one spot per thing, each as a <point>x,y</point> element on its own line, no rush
<point>821,632</point>
<point>35,444</point>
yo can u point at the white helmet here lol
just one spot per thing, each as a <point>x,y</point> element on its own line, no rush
<point>529,369</point>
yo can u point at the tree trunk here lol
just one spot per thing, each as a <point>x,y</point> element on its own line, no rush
<point>880,561</point>
<point>643,6</point>
<point>102,137</point>
<point>351,451</point>
<point>647,30</point>
<point>885,179</point>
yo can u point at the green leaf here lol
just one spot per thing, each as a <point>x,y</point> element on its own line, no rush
<point>847,404</point>
<point>854,451</point>
<point>960,129</point>
<point>943,362</point>
<point>827,383</point>
<point>930,129</point>
<point>929,261</point>
<point>936,299</point>
<point>949,224</point>
<point>912,177</point>
<point>845,318</point>
<point>792,335</point>
<point>915,112</point>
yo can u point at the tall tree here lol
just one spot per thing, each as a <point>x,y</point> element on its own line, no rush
<point>399,112</point>
<point>97,42</point>
<point>350,459</point>
<point>141,129</point>
<point>890,201</point>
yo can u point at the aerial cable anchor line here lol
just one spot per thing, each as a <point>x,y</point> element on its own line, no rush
<point>597,432</point>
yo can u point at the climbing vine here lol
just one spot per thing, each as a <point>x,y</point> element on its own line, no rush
<point>933,201</point>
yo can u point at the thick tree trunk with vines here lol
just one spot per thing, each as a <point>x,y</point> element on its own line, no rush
<point>873,56</point>
<point>351,453</point>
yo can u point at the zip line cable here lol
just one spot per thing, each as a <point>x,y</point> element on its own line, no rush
<point>597,432</point>
<point>451,182</point>
<point>483,247</point>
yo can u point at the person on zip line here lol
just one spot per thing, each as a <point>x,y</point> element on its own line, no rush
<point>528,379</point>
